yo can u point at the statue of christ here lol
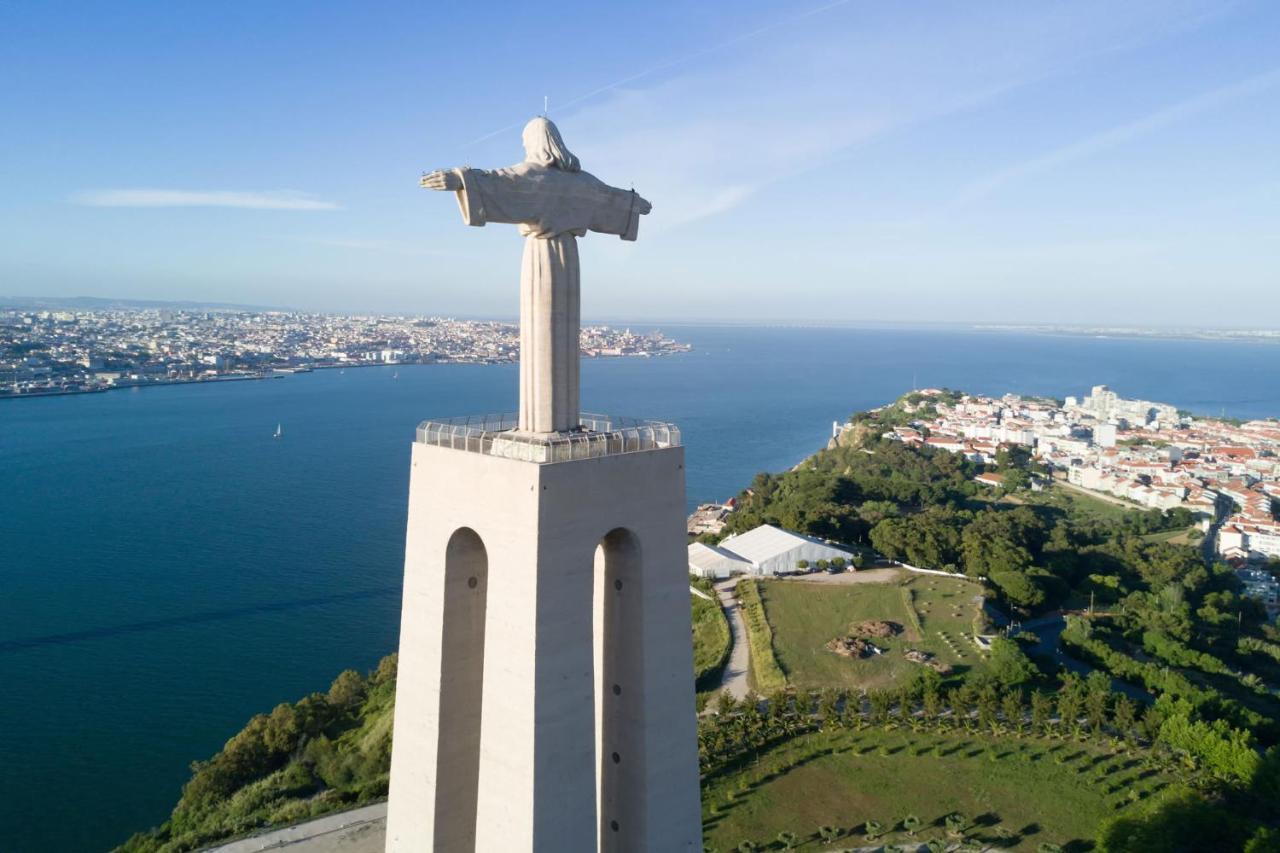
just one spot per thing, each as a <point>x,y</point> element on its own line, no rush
<point>554,203</point>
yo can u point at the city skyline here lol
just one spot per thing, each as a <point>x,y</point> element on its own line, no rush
<point>996,164</point>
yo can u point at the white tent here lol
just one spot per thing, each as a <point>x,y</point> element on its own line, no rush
<point>772,551</point>
<point>708,561</point>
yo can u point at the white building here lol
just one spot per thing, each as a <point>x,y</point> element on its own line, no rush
<point>1105,435</point>
<point>769,550</point>
<point>1259,541</point>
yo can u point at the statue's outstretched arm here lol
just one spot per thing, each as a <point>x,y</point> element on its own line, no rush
<point>442,179</point>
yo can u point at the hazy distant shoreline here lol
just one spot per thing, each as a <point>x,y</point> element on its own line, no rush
<point>1239,336</point>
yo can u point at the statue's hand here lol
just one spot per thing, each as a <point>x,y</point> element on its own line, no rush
<point>643,206</point>
<point>442,179</point>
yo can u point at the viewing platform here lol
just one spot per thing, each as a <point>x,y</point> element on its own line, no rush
<point>596,436</point>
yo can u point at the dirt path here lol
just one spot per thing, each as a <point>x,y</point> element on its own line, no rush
<point>734,679</point>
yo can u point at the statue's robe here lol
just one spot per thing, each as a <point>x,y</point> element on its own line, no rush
<point>553,208</point>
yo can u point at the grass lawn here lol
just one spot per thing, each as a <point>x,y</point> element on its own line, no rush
<point>1183,536</point>
<point>1014,792</point>
<point>1074,501</point>
<point>805,616</point>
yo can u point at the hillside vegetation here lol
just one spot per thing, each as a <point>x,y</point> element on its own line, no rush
<point>328,752</point>
<point>1162,620</point>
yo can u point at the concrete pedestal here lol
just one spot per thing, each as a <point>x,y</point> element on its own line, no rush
<point>545,689</point>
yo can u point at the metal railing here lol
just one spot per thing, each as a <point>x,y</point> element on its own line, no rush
<point>596,435</point>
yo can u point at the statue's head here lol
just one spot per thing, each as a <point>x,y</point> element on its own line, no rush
<point>544,147</point>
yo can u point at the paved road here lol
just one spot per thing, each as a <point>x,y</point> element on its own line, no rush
<point>845,578</point>
<point>1048,629</point>
<point>734,679</point>
<point>362,830</point>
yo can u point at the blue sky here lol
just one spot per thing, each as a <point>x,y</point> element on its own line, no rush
<point>1088,162</point>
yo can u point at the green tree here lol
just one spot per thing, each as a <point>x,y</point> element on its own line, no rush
<point>1183,820</point>
<point>282,730</point>
<point>874,512</point>
<point>1019,588</point>
<point>1070,701</point>
<point>1010,664</point>
<point>1097,699</point>
<point>1011,708</point>
<point>1015,479</point>
<point>1123,716</point>
<point>1041,710</point>
<point>829,834</point>
<point>956,824</point>
<point>347,690</point>
<point>1227,753</point>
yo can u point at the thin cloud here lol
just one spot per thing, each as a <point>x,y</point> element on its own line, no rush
<point>702,143</point>
<point>1119,135</point>
<point>271,200</point>
<point>672,63</point>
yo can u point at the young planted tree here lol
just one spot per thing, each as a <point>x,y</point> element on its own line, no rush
<point>1097,699</point>
<point>829,707</point>
<point>880,701</point>
<point>829,833</point>
<point>988,704</point>
<point>1041,709</point>
<point>1070,703</point>
<point>956,824</point>
<point>906,705</point>
<point>931,705</point>
<point>1011,708</point>
<point>1123,716</point>
<point>911,823</point>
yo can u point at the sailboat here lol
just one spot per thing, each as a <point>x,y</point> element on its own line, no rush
<point>279,432</point>
<point>395,375</point>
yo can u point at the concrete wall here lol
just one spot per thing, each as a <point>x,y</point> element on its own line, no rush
<point>585,649</point>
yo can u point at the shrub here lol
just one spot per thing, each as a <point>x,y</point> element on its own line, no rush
<point>765,672</point>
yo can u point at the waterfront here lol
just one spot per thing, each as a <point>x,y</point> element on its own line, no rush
<point>170,569</point>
